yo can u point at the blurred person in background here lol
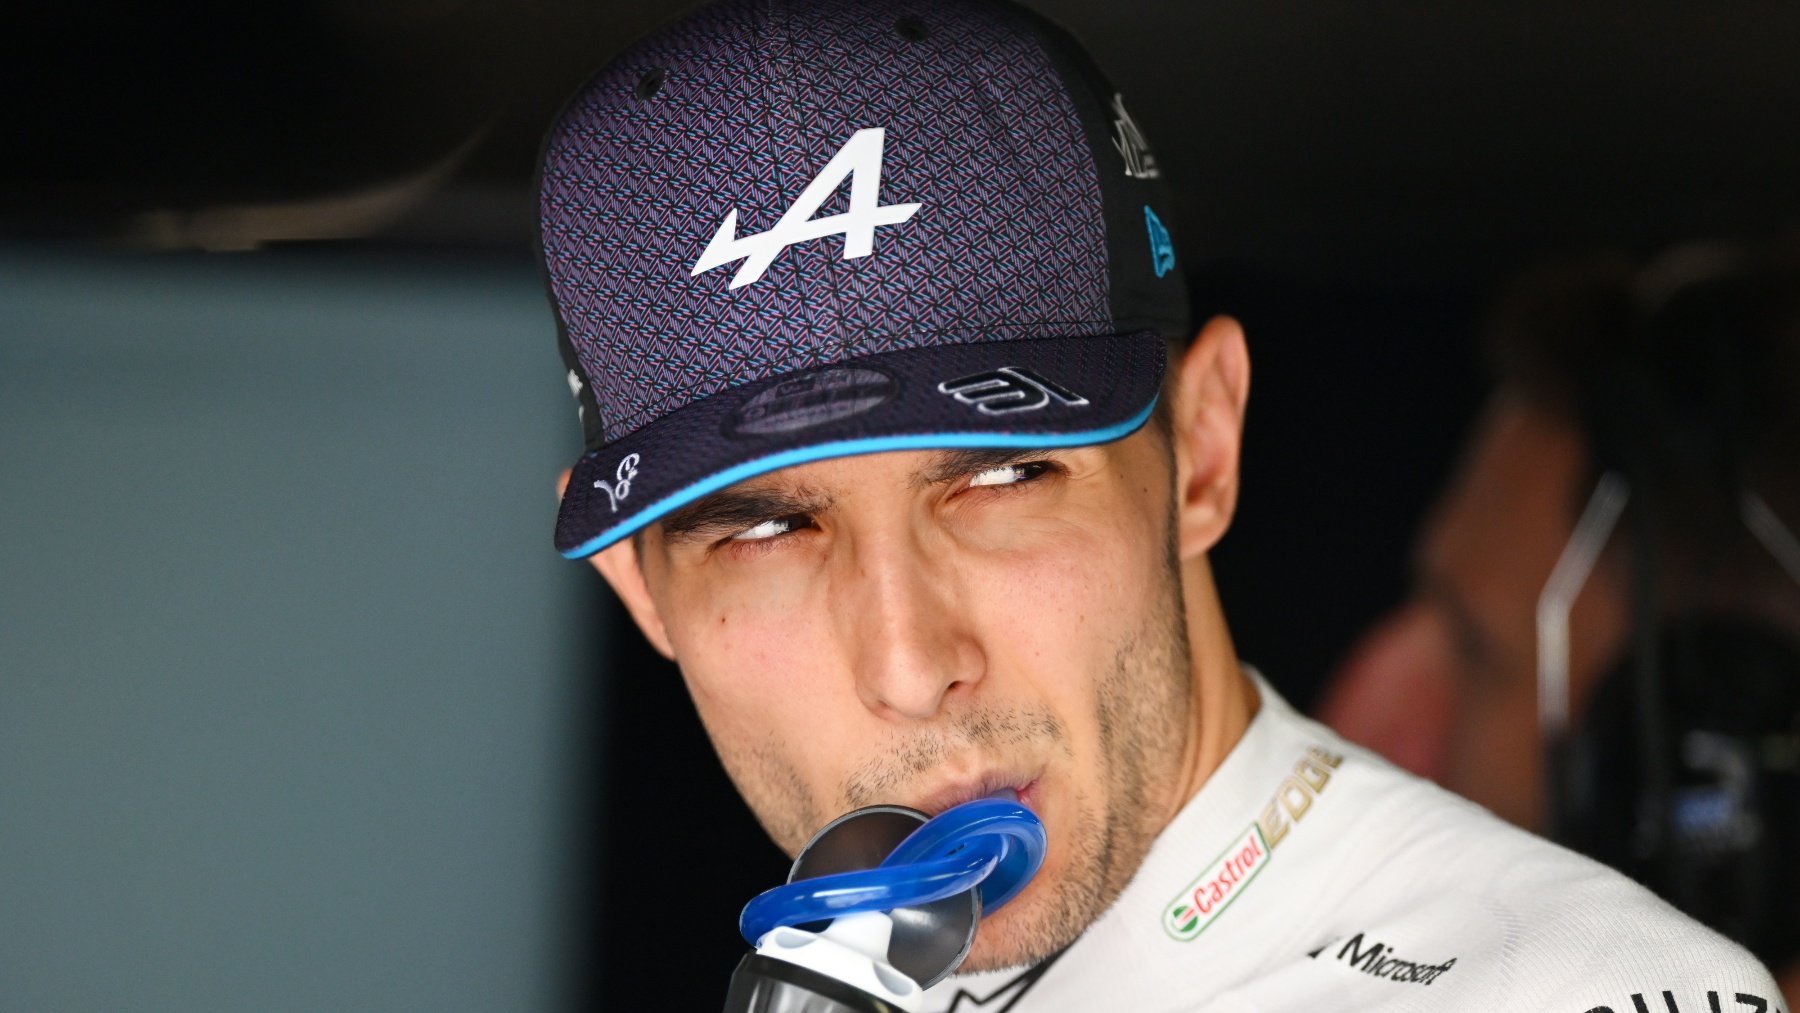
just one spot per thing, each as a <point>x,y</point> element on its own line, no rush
<point>1603,638</point>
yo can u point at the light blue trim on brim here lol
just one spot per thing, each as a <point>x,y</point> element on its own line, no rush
<point>851,448</point>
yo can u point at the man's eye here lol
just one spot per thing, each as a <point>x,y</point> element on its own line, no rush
<point>769,529</point>
<point>1010,474</point>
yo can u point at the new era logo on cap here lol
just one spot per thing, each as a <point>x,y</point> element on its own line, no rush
<point>859,160</point>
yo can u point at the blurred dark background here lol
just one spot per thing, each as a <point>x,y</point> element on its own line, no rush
<point>298,708</point>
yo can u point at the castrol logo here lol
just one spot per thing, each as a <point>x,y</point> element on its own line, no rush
<point>1226,877</point>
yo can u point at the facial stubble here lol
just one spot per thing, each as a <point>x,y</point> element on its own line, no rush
<point>1142,703</point>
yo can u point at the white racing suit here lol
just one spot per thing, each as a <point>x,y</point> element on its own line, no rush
<point>1310,874</point>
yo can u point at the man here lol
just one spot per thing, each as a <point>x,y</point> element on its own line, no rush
<point>1713,335</point>
<point>866,305</point>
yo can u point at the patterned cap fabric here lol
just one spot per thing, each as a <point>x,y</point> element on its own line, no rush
<point>783,230</point>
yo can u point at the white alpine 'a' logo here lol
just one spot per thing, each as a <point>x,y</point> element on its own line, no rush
<point>860,160</point>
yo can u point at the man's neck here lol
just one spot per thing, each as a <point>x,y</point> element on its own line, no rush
<point>1223,696</point>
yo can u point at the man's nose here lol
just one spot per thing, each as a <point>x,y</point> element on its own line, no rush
<point>911,642</point>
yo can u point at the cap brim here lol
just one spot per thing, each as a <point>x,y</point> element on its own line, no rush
<point>1055,392</point>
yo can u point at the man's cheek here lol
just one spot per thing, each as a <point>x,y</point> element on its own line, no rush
<point>773,685</point>
<point>749,641</point>
<point>770,782</point>
<point>1068,592</point>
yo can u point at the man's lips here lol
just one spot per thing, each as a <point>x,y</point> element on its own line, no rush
<point>950,796</point>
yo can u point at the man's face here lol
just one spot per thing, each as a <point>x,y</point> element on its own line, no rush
<point>1462,650</point>
<point>925,628</point>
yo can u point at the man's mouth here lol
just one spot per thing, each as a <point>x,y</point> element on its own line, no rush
<point>1022,787</point>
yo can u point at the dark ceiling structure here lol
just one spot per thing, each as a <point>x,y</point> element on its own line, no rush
<point>1402,139</point>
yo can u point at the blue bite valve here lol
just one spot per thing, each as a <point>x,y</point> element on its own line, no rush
<point>882,904</point>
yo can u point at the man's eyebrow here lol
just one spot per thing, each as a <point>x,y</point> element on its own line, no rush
<point>953,464</point>
<point>736,509</point>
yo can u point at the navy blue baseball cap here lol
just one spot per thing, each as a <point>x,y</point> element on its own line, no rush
<point>779,231</point>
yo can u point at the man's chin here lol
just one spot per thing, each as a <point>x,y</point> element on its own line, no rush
<point>991,952</point>
<point>1026,931</point>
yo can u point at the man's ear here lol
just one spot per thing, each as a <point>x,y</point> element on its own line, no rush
<point>1212,385</point>
<point>620,565</point>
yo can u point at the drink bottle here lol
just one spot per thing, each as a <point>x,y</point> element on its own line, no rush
<point>882,904</point>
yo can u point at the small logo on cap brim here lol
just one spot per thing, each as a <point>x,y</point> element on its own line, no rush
<point>617,491</point>
<point>1007,390</point>
<point>813,399</point>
